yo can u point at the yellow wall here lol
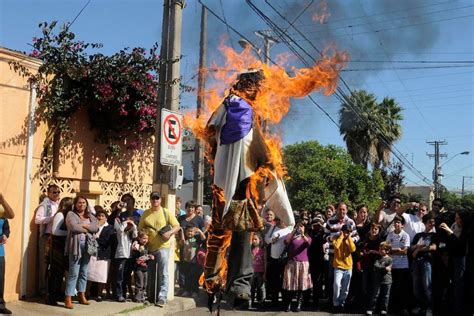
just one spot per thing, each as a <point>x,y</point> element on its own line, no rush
<point>14,107</point>
<point>82,163</point>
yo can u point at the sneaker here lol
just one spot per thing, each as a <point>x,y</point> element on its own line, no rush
<point>121,299</point>
<point>383,312</point>
<point>186,294</point>
<point>368,312</point>
<point>98,299</point>
<point>5,311</point>
<point>161,303</point>
<point>429,312</point>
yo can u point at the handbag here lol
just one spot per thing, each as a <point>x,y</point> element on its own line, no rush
<point>167,226</point>
<point>92,245</point>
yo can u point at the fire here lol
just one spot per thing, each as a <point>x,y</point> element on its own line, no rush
<point>321,15</point>
<point>273,101</point>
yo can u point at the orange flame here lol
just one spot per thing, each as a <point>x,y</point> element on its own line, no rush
<point>273,101</point>
<point>321,15</point>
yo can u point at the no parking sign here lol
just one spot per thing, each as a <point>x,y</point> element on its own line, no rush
<point>171,138</point>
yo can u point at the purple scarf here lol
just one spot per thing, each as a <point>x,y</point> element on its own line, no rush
<point>238,120</point>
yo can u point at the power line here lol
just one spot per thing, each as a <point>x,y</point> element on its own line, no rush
<point>380,13</point>
<point>268,21</point>
<point>227,26</point>
<point>407,68</point>
<point>78,14</point>
<point>385,21</point>
<point>388,29</point>
<point>416,61</point>
<point>342,97</point>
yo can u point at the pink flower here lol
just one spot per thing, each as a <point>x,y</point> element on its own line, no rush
<point>134,144</point>
<point>35,53</point>
<point>143,125</point>
<point>123,112</point>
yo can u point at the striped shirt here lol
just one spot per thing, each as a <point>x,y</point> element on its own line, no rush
<point>333,230</point>
<point>401,240</point>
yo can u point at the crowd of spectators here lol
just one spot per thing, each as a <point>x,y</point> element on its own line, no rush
<point>402,259</point>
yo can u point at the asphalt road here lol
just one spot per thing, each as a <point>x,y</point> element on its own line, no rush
<point>203,311</point>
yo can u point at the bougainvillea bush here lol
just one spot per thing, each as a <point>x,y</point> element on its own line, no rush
<point>120,92</point>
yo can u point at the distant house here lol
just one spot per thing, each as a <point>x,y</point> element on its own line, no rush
<point>426,192</point>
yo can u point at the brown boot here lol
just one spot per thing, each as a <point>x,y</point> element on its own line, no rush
<point>82,298</point>
<point>68,302</point>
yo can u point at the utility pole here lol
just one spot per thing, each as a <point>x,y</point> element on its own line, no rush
<point>169,90</point>
<point>169,99</point>
<point>462,190</point>
<point>198,185</point>
<point>268,41</point>
<point>437,168</point>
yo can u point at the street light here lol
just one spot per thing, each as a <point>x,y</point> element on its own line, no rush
<point>245,44</point>
<point>461,153</point>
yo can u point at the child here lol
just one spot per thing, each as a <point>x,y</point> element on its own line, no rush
<point>296,277</point>
<point>141,259</point>
<point>423,247</point>
<point>258,255</point>
<point>400,242</point>
<point>342,263</point>
<point>99,265</point>
<point>382,279</point>
<point>189,267</point>
<point>126,231</point>
<point>370,253</point>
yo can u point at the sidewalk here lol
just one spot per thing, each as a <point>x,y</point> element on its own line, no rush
<point>27,308</point>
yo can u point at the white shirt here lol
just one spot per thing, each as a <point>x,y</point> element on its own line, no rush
<point>56,227</point>
<point>41,219</point>
<point>279,246</point>
<point>401,240</point>
<point>413,225</point>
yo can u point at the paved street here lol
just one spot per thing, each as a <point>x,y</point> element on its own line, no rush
<point>203,311</point>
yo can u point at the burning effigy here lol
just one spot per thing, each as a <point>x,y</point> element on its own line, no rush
<point>246,160</point>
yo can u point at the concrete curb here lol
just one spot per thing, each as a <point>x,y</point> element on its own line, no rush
<point>105,308</point>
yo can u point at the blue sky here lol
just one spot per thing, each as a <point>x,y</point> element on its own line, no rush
<point>383,38</point>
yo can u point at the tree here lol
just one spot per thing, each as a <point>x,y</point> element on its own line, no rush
<point>320,175</point>
<point>369,128</point>
<point>393,180</point>
<point>454,202</point>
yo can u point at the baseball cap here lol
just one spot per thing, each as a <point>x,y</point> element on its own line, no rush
<point>155,195</point>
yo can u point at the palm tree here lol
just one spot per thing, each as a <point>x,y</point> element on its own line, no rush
<point>368,128</point>
<point>391,131</point>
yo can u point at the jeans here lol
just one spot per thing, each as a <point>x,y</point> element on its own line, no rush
<point>140,285</point>
<point>257,288</point>
<point>2,281</point>
<point>120,284</point>
<point>342,280</point>
<point>422,270</point>
<point>158,276</point>
<point>275,277</point>
<point>77,277</point>
<point>382,291</point>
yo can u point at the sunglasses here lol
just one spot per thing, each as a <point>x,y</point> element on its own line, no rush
<point>436,204</point>
<point>55,192</point>
<point>155,198</point>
